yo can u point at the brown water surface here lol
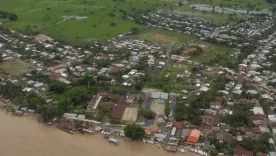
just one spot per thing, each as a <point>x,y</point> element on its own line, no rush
<point>23,136</point>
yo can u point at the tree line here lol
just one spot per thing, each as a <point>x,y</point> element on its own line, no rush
<point>10,16</point>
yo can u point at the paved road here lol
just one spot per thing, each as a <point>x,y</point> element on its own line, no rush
<point>147,101</point>
<point>172,105</point>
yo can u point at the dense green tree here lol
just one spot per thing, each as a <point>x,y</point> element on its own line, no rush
<point>115,121</point>
<point>34,102</point>
<point>167,109</point>
<point>88,115</point>
<point>13,17</point>
<point>1,57</point>
<point>148,114</point>
<point>237,119</point>
<point>49,114</point>
<point>214,152</point>
<point>260,145</point>
<point>57,87</point>
<point>103,114</point>
<point>134,30</point>
<point>78,96</point>
<point>134,132</point>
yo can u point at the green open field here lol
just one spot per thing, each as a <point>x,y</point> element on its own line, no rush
<point>211,52</point>
<point>261,4</point>
<point>165,37</point>
<point>15,67</point>
<point>43,16</point>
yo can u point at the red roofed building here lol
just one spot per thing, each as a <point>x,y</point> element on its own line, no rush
<point>240,151</point>
<point>258,119</point>
<point>3,77</point>
<point>193,137</point>
<point>63,64</point>
<point>54,76</point>
<point>117,107</point>
<point>256,130</point>
<point>219,100</point>
<point>209,120</point>
<point>3,101</point>
<point>178,124</point>
<point>225,137</point>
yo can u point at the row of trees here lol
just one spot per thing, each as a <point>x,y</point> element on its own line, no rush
<point>10,16</point>
<point>134,132</point>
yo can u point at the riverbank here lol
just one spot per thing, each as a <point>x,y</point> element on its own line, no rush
<point>25,136</point>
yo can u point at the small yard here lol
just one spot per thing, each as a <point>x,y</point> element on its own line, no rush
<point>15,67</point>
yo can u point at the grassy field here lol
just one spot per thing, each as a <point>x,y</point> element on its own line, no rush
<point>15,67</point>
<point>43,16</point>
<point>261,4</point>
<point>212,52</point>
<point>164,37</point>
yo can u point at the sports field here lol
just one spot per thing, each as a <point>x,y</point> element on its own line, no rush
<point>164,37</point>
<point>15,67</point>
<point>47,16</point>
<point>130,115</point>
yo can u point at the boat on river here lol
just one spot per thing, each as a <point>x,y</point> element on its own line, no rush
<point>64,129</point>
<point>88,131</point>
<point>113,141</point>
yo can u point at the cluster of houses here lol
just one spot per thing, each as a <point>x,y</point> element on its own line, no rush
<point>230,35</point>
<point>64,63</point>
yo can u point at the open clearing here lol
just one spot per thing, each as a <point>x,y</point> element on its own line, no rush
<point>130,115</point>
<point>211,52</point>
<point>158,107</point>
<point>15,67</point>
<point>43,15</point>
<point>164,37</point>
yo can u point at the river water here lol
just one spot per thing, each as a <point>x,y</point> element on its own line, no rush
<point>24,136</point>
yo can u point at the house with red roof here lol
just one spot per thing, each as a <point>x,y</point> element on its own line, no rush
<point>54,76</point>
<point>210,120</point>
<point>62,64</point>
<point>258,119</point>
<point>193,137</point>
<point>3,77</point>
<point>3,101</point>
<point>256,130</point>
<point>220,100</point>
<point>240,151</point>
<point>225,137</point>
<point>178,124</point>
<point>118,106</point>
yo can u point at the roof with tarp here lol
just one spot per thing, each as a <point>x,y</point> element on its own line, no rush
<point>193,137</point>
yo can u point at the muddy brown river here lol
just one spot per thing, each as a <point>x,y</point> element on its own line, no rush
<point>23,136</point>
